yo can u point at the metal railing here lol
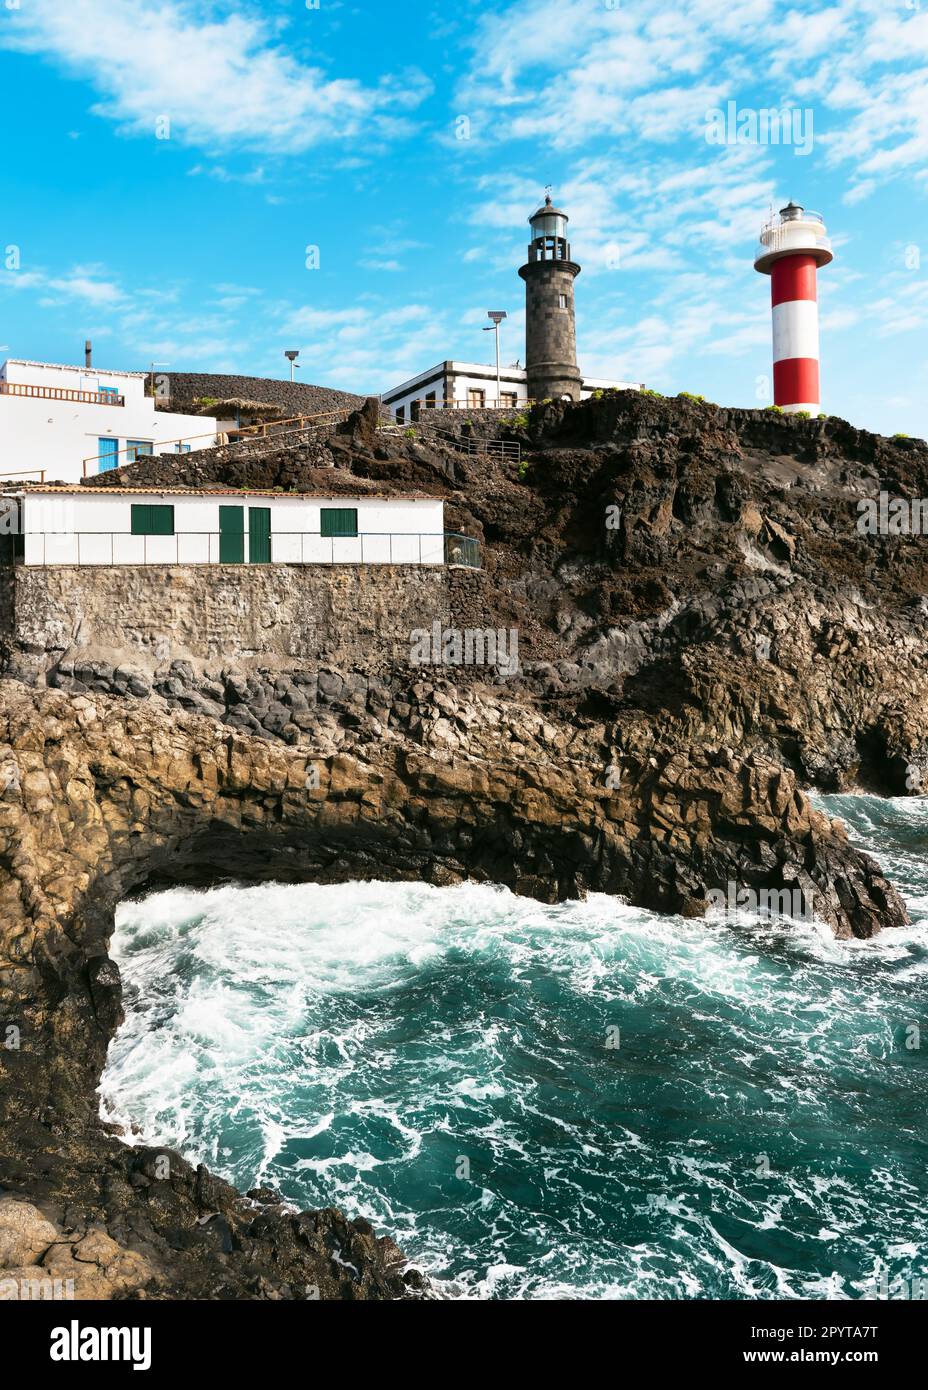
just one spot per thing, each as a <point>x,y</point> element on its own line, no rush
<point>777,221</point>
<point>18,472</point>
<point>286,548</point>
<point>509,449</point>
<point>60,393</point>
<point>323,420</point>
<point>463,403</point>
<point>780,238</point>
<point>780,233</point>
<point>462,550</point>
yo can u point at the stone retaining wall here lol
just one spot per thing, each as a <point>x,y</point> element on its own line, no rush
<point>485,424</point>
<point>281,457</point>
<point>149,616</point>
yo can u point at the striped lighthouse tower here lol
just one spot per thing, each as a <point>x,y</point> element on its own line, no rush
<point>792,247</point>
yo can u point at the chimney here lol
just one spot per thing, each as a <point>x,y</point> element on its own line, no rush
<point>88,353</point>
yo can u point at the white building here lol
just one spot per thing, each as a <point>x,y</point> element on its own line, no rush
<point>471,385</point>
<point>73,525</point>
<point>59,424</point>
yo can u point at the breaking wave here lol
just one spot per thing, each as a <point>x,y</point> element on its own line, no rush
<point>585,1100</point>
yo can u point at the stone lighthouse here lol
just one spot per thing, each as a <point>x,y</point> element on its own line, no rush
<point>550,329</point>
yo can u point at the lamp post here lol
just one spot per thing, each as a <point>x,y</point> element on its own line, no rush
<point>292,354</point>
<point>497,315</point>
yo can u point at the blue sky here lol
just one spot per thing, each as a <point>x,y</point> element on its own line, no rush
<point>410,142</point>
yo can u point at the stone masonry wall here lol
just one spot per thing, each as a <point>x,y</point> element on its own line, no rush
<point>277,460</point>
<point>184,389</point>
<point>550,331</point>
<point>227,613</point>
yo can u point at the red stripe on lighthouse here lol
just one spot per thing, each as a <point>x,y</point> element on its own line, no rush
<point>795,381</point>
<point>792,277</point>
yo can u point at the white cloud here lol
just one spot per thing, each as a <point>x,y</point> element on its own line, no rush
<point>84,283</point>
<point>366,347</point>
<point>222,82</point>
<point>571,71</point>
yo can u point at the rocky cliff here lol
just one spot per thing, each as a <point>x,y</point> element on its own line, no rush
<point>703,632</point>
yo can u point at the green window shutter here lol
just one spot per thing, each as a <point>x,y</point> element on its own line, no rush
<point>339,521</point>
<point>152,519</point>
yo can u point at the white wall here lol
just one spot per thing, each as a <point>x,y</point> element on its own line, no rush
<point>70,528</point>
<point>129,384</point>
<point>461,381</point>
<point>38,433</point>
<point>592,383</point>
<point>458,386</point>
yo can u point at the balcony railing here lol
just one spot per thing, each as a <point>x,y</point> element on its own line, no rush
<point>788,235</point>
<point>211,548</point>
<point>60,393</point>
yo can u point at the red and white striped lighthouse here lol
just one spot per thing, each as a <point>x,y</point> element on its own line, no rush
<point>792,247</point>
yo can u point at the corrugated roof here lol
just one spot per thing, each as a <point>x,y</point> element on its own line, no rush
<point>78,490</point>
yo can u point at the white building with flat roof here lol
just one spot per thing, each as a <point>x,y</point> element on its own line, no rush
<point>74,525</point>
<point>60,424</point>
<point>472,386</point>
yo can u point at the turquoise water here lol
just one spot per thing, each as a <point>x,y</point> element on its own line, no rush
<point>444,1062</point>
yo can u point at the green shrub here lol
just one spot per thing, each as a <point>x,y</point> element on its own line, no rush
<point>902,436</point>
<point>688,396</point>
<point>774,409</point>
<point>409,433</point>
<point>802,415</point>
<point>647,391</point>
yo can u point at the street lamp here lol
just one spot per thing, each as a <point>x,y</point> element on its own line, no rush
<point>497,315</point>
<point>292,354</point>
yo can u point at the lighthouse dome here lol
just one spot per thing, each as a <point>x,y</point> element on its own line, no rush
<point>549,221</point>
<point>549,210</point>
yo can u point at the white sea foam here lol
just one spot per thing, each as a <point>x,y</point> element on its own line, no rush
<point>437,1060</point>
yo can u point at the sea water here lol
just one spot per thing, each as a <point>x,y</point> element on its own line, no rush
<point>585,1100</point>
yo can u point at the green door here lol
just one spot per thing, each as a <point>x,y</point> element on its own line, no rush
<point>259,535</point>
<point>231,535</point>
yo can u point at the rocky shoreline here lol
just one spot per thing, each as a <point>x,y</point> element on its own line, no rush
<point>684,673</point>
